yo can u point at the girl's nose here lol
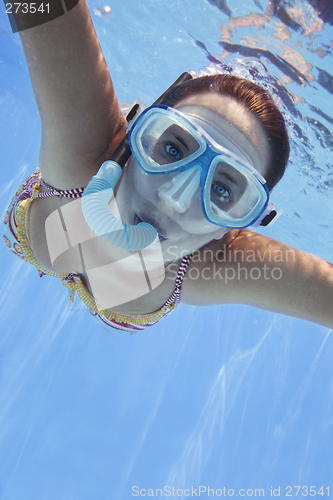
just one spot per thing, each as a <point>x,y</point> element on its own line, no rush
<point>178,192</point>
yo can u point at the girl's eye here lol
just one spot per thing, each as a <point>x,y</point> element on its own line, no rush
<point>221,191</point>
<point>173,151</point>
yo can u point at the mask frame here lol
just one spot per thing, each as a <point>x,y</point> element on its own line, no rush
<point>157,120</point>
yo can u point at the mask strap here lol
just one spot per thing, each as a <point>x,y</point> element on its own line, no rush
<point>268,217</point>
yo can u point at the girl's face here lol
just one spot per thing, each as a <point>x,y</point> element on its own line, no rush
<point>139,198</point>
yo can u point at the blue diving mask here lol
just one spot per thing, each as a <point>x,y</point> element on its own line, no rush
<point>165,141</point>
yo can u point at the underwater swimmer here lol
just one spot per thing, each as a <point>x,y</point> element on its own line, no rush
<point>202,163</point>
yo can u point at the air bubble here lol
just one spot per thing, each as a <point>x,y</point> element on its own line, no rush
<point>102,11</point>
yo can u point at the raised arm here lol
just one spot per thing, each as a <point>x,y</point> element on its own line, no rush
<point>81,119</point>
<point>259,271</point>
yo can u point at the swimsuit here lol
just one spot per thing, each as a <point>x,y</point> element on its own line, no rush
<point>16,236</point>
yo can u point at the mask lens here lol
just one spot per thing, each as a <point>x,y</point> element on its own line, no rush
<point>228,185</point>
<point>175,144</point>
<point>164,139</point>
<point>234,195</point>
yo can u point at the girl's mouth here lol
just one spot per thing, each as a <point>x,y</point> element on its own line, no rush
<point>153,223</point>
<point>137,220</point>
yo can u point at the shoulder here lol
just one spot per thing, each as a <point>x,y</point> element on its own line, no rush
<point>219,271</point>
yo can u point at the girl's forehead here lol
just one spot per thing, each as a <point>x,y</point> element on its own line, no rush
<point>231,111</point>
<point>217,128</point>
<point>230,116</point>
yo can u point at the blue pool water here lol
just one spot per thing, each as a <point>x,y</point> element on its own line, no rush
<point>222,397</point>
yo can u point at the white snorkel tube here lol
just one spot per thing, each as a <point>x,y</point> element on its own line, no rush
<point>100,190</point>
<point>103,222</point>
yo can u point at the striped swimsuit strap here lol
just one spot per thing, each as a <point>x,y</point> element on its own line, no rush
<point>175,296</point>
<point>66,193</point>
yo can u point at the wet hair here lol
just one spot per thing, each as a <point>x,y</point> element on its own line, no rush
<point>257,101</point>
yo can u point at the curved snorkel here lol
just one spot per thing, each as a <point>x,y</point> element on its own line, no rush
<point>100,190</point>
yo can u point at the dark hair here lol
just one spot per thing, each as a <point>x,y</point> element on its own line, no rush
<point>256,100</point>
